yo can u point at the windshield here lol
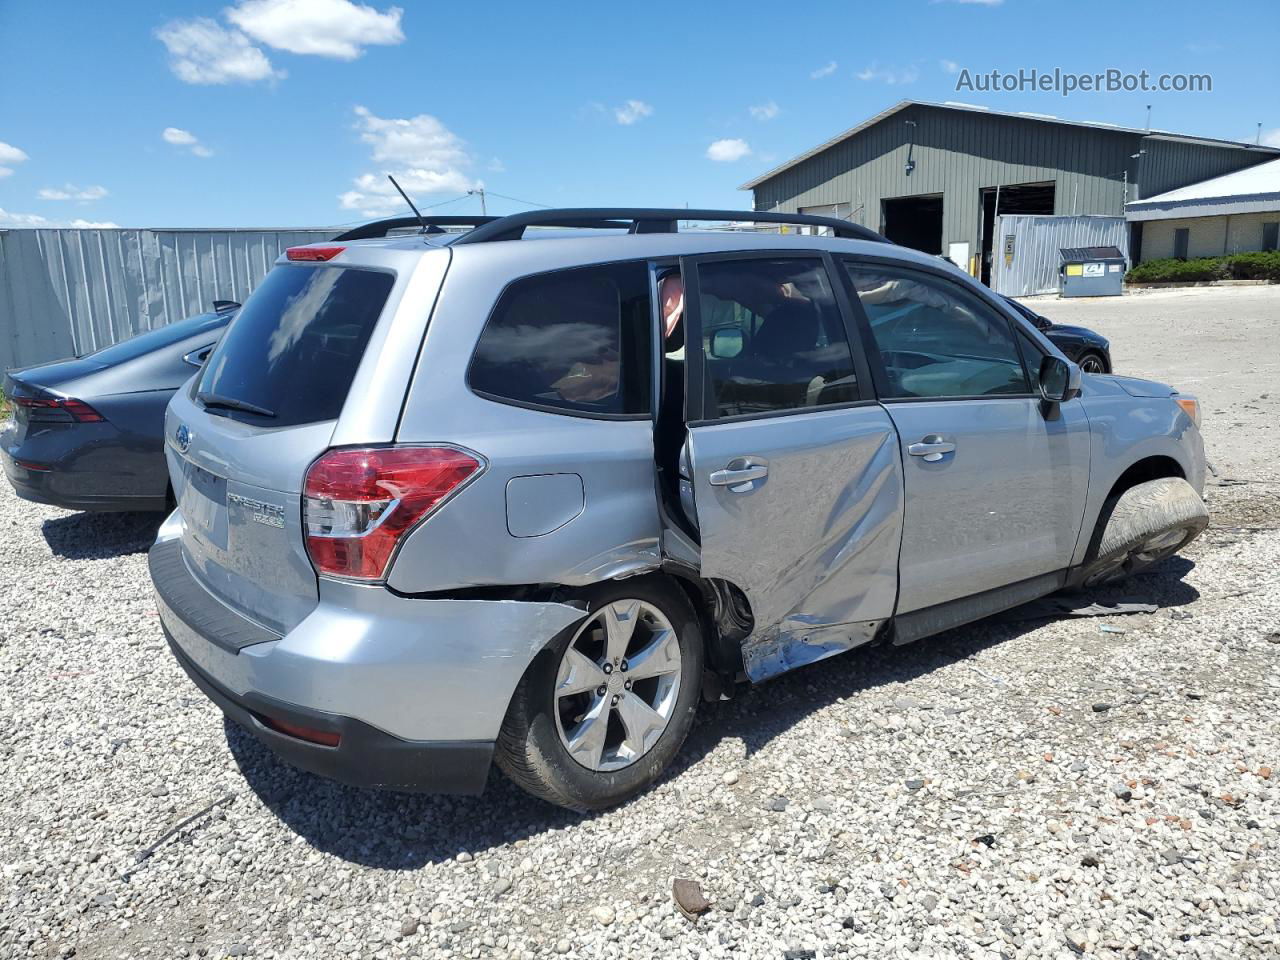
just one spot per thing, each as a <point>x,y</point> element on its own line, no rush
<point>145,343</point>
<point>290,356</point>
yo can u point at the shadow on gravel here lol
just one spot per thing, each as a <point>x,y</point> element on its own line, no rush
<point>100,536</point>
<point>397,831</point>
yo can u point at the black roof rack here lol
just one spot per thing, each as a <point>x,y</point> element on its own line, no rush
<point>380,228</point>
<point>643,220</point>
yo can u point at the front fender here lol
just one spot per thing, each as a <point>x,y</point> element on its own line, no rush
<point>1124,430</point>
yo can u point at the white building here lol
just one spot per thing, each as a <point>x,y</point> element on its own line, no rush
<point>1235,213</point>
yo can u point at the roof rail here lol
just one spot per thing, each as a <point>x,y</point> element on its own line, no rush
<point>380,228</point>
<point>646,220</point>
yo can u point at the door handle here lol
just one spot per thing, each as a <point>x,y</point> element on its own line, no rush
<point>932,448</point>
<point>739,474</point>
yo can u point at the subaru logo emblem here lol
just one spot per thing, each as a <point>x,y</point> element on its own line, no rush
<point>183,436</point>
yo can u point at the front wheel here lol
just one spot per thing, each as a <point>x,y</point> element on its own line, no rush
<point>1092,362</point>
<point>599,715</point>
<point>1142,526</point>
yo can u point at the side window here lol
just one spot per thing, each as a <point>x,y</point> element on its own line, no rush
<point>1034,354</point>
<point>772,337</point>
<point>936,338</point>
<point>574,340</point>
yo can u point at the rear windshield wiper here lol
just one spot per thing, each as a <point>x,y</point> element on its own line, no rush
<point>231,403</point>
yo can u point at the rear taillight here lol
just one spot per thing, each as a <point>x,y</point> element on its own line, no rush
<point>58,409</point>
<point>359,503</point>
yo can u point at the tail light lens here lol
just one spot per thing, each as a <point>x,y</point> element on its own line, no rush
<point>358,503</point>
<point>51,409</point>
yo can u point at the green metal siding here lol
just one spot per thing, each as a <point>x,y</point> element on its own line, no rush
<point>1170,164</point>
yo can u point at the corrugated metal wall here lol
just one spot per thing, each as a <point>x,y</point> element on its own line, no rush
<point>1037,242</point>
<point>1170,164</point>
<point>65,291</point>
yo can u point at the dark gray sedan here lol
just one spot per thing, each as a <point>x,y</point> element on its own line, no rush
<point>87,432</point>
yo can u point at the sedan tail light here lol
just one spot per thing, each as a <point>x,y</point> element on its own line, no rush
<point>51,409</point>
<point>358,503</point>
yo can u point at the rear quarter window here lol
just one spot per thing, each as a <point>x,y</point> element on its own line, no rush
<point>295,346</point>
<point>574,341</point>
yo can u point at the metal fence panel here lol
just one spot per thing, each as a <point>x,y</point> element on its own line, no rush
<point>1036,241</point>
<point>72,291</point>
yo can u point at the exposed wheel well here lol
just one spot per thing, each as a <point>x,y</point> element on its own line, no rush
<point>1150,468</point>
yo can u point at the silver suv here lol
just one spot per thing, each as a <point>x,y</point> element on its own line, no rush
<point>527,492</point>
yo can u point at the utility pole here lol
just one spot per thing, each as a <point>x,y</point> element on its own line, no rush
<point>484,212</point>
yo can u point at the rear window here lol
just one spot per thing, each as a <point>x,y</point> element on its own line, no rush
<point>295,347</point>
<point>145,343</point>
<point>575,341</point>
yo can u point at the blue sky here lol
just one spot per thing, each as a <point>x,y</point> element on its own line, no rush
<point>269,112</point>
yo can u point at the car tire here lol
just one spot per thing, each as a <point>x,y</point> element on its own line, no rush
<point>1142,526</point>
<point>1092,362</point>
<point>533,747</point>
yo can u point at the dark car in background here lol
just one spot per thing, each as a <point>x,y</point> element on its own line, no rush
<point>88,432</point>
<point>1089,350</point>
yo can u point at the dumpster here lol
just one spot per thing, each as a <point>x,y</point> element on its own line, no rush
<point>1092,271</point>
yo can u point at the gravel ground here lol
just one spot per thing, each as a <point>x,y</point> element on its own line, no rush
<point>1106,786</point>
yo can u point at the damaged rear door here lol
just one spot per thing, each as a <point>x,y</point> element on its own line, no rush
<point>796,472</point>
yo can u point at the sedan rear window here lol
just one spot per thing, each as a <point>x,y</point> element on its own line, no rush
<point>293,351</point>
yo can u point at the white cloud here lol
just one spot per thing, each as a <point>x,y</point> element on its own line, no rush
<point>728,151</point>
<point>1271,137</point>
<point>765,111</point>
<point>631,111</point>
<point>422,153</point>
<point>824,71</point>
<point>949,66</point>
<point>8,219</point>
<point>889,75</point>
<point>325,28</point>
<point>185,138</point>
<point>9,157</point>
<point>71,192</point>
<point>203,52</point>
<point>179,137</point>
<point>497,166</point>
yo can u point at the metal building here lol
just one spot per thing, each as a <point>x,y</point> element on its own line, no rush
<point>930,175</point>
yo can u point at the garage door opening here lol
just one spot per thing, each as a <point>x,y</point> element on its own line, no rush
<point>1028,198</point>
<point>914,222</point>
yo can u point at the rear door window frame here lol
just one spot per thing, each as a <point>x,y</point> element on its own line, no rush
<point>696,408</point>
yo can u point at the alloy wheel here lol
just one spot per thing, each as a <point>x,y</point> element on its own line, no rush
<point>1092,364</point>
<point>617,685</point>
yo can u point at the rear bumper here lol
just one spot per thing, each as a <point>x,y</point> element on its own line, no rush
<point>83,478</point>
<point>364,756</point>
<point>417,689</point>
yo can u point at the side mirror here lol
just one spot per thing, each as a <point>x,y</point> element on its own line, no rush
<point>1059,380</point>
<point>1040,323</point>
<point>727,343</point>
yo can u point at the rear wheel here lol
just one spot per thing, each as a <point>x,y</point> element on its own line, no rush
<point>1142,526</point>
<point>598,716</point>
